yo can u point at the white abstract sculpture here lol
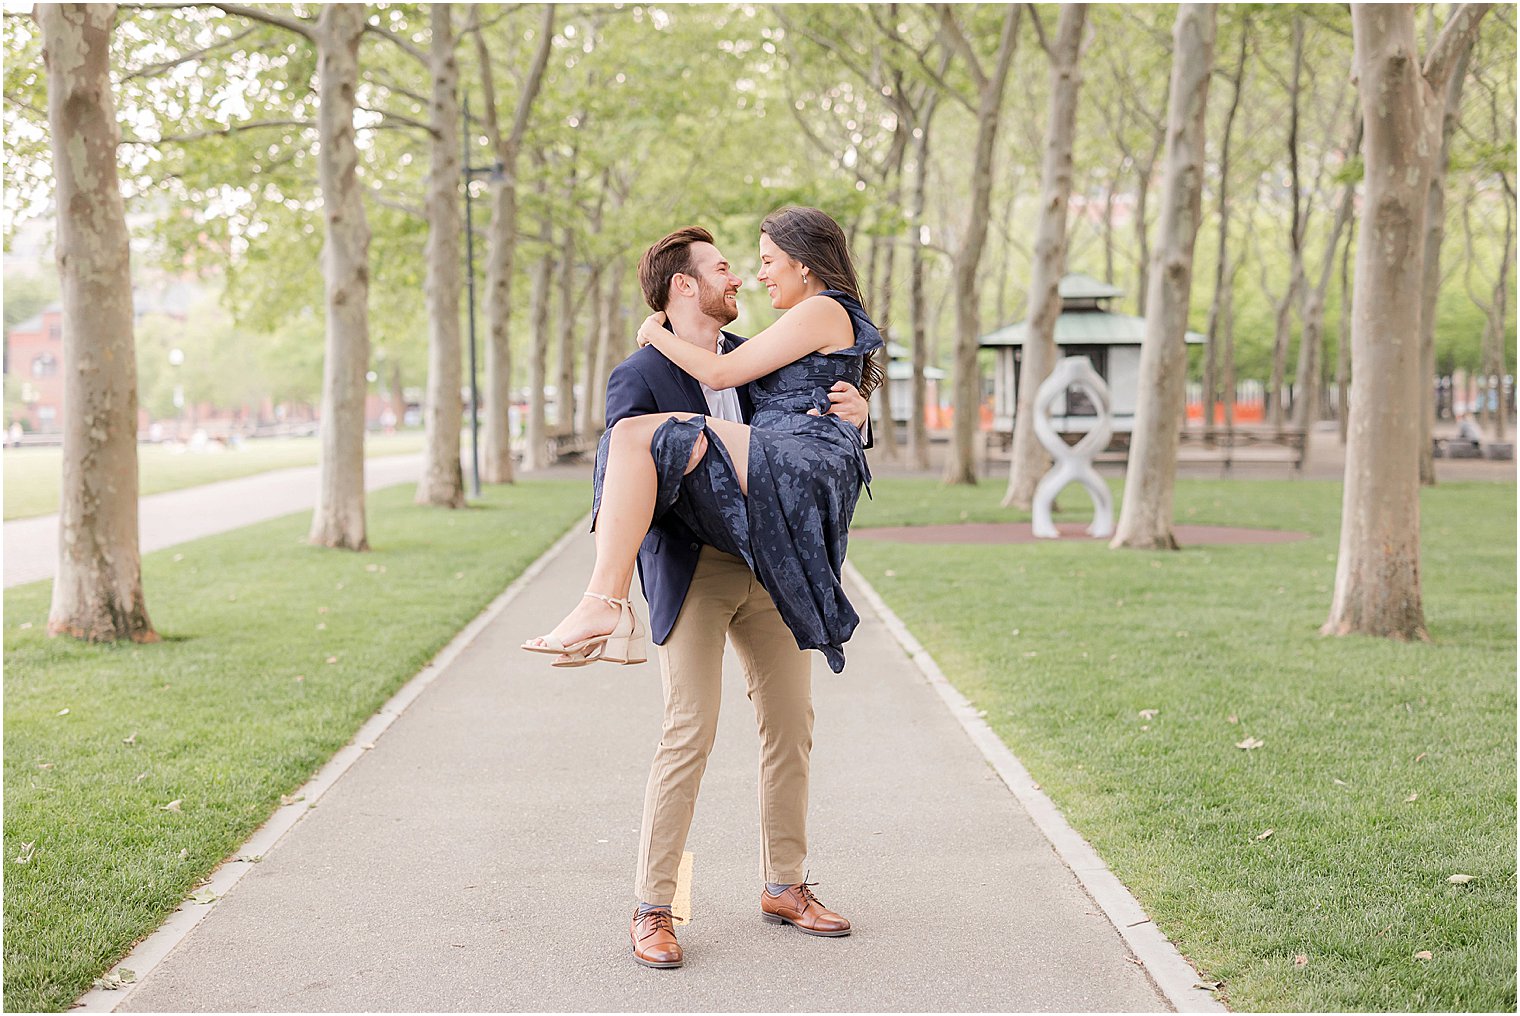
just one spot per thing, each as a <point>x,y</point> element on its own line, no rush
<point>1073,462</point>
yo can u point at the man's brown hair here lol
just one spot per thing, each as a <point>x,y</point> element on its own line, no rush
<point>667,257</point>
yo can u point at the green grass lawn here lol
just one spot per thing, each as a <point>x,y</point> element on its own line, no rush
<point>1385,767</point>
<point>32,475</point>
<point>275,652</point>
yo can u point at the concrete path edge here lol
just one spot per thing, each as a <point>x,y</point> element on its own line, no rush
<point>152,950</point>
<point>1173,975</point>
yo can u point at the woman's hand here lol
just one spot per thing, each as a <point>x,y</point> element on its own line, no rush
<point>653,325</point>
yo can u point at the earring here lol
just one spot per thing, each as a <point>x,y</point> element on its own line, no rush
<point>804,275</point>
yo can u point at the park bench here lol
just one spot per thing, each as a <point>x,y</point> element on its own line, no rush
<point>564,446</point>
<point>1220,446</point>
<point>1455,448</point>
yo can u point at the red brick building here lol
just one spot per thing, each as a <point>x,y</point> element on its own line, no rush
<point>35,357</point>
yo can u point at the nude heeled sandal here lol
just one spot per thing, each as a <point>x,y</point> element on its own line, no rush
<point>623,645</point>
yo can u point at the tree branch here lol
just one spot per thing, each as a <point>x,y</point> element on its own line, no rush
<point>1457,36</point>
<point>298,25</point>
<point>227,131</point>
<point>535,78</point>
<point>1039,28</point>
<point>151,69</point>
<point>400,119</point>
<point>951,27</point>
<point>406,47</point>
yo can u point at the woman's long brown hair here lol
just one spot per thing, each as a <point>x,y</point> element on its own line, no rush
<point>812,238</point>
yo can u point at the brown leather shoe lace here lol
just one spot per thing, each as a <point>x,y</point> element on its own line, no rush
<point>659,920</point>
<point>805,893</point>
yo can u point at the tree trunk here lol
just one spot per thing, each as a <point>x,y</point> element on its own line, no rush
<point>1311,343</point>
<point>1343,346</point>
<point>1282,334</point>
<point>496,433</point>
<point>611,319</point>
<point>1430,281</point>
<point>1146,518</point>
<point>98,594</point>
<point>496,453</point>
<point>594,332</point>
<point>1377,574</point>
<point>1029,460</point>
<point>961,466</point>
<point>918,300</point>
<point>339,517</point>
<point>1222,262</point>
<point>1142,238</point>
<point>886,437</point>
<point>398,394</point>
<point>442,482</point>
<point>536,448</point>
<point>564,402</point>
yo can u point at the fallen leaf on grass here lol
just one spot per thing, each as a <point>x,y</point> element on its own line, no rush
<point>332,659</point>
<point>1250,743</point>
<point>1412,798</point>
<point>286,799</point>
<point>1340,782</point>
<point>25,857</point>
<point>45,765</point>
<point>184,852</point>
<point>172,805</point>
<point>1233,718</point>
<point>321,610</point>
<point>25,625</point>
<point>63,712</point>
<point>1461,879</point>
<point>113,981</point>
<point>1207,985</point>
<point>203,897</point>
<point>141,776</point>
<point>1421,756</point>
<point>372,567</point>
<point>1148,714</point>
<point>1300,960</point>
<point>1423,954</point>
<point>1263,834</point>
<point>130,738</point>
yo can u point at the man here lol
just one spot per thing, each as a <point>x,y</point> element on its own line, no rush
<point>697,596</point>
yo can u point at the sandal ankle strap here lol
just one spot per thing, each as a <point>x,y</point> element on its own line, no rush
<point>610,599</point>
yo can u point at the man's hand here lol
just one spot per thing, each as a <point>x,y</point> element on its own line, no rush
<point>847,404</point>
<point>652,326</point>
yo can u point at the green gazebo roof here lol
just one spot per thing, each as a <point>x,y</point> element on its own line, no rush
<point>1083,322</point>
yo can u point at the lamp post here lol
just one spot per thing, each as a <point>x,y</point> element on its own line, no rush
<point>494,173</point>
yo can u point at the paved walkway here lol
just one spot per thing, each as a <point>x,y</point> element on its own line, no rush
<point>31,545</point>
<point>480,857</point>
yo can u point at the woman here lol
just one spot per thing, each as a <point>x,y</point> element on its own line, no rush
<point>778,492</point>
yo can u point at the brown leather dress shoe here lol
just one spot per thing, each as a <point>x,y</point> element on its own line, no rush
<point>654,940</point>
<point>802,910</point>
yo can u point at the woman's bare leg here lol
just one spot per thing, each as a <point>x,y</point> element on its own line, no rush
<point>627,508</point>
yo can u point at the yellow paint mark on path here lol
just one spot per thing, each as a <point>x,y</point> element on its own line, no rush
<point>680,907</point>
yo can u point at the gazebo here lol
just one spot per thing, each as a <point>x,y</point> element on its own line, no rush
<point>1087,328</point>
<point>900,377</point>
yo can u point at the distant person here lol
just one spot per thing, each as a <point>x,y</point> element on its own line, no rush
<point>1468,430</point>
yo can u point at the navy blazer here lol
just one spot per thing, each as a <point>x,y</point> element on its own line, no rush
<point>647,383</point>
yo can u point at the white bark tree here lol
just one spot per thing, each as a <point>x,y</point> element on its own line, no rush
<point>496,443</point>
<point>339,517</point>
<point>1377,572</point>
<point>1029,461</point>
<point>1430,282</point>
<point>1145,520</point>
<point>98,594</point>
<point>961,465</point>
<point>442,482</point>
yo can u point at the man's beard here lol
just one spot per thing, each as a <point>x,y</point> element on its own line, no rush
<point>714,303</point>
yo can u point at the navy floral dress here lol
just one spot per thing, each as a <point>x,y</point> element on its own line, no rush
<point>805,477</point>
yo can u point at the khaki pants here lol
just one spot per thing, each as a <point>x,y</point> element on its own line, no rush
<point>726,599</point>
